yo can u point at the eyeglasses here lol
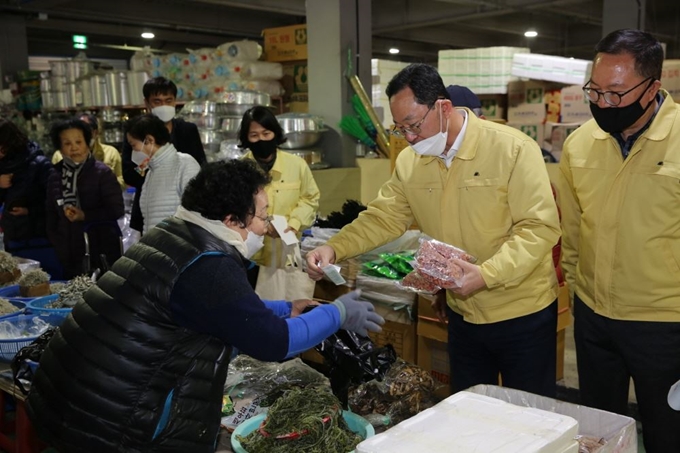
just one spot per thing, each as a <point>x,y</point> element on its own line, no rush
<point>267,219</point>
<point>612,98</point>
<point>413,129</point>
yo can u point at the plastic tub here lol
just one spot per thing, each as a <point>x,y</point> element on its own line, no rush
<point>356,423</point>
<point>21,305</point>
<point>37,306</point>
<point>9,348</point>
<point>12,292</point>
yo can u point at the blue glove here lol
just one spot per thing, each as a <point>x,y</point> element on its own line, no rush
<point>357,315</point>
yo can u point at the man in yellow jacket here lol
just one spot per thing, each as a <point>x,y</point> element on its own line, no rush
<point>483,187</point>
<point>106,154</point>
<point>620,199</point>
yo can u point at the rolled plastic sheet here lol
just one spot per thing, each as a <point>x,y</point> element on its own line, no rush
<point>238,50</point>
<point>262,70</point>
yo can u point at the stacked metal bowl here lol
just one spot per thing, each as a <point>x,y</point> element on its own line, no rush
<point>303,131</point>
<point>218,119</point>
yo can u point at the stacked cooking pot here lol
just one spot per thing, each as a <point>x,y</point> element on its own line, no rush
<point>302,132</point>
<point>218,120</point>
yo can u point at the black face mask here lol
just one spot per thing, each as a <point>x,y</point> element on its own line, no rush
<point>262,149</point>
<point>618,119</point>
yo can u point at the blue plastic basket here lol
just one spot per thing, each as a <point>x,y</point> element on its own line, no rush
<point>37,306</point>
<point>21,305</point>
<point>354,422</point>
<point>12,292</point>
<point>9,348</point>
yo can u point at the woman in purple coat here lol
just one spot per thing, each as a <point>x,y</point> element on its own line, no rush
<point>82,195</point>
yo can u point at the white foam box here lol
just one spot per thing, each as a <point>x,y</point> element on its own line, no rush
<point>619,431</point>
<point>670,78</point>
<point>574,106</point>
<point>469,422</point>
<point>551,68</point>
<point>485,70</point>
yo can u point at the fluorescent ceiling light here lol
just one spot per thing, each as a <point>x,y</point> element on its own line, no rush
<point>531,33</point>
<point>148,35</point>
<point>394,50</point>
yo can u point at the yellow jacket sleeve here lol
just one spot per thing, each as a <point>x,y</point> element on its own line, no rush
<point>303,214</point>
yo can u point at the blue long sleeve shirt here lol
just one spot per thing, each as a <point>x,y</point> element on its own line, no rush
<point>213,296</point>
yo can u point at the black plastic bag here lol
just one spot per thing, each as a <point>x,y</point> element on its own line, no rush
<point>354,359</point>
<point>21,370</point>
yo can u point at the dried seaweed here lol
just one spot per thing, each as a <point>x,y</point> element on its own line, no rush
<point>34,277</point>
<point>7,262</point>
<point>7,308</point>
<point>314,415</point>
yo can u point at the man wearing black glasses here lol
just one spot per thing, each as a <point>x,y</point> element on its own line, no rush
<point>620,199</point>
<point>483,187</point>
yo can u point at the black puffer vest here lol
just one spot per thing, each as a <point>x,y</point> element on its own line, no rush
<point>121,375</point>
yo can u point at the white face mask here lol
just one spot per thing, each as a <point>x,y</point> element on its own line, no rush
<point>435,145</point>
<point>254,242</point>
<point>138,157</point>
<point>164,112</point>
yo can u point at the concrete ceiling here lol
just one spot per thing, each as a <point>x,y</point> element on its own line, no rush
<point>419,28</point>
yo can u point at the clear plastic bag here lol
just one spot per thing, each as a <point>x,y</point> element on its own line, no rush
<point>416,283</point>
<point>13,331</point>
<point>252,386</point>
<point>405,390</point>
<point>435,262</point>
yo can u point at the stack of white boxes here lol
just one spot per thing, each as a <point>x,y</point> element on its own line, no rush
<point>551,68</point>
<point>382,72</point>
<point>485,70</point>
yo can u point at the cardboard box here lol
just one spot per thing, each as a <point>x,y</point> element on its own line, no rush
<point>397,145</point>
<point>670,78</point>
<point>533,130</point>
<point>401,336</point>
<point>285,43</point>
<point>574,106</point>
<point>294,78</point>
<point>325,290</point>
<point>297,107</point>
<point>434,358</point>
<point>531,102</point>
<point>494,106</point>
<point>619,431</point>
<point>554,135</point>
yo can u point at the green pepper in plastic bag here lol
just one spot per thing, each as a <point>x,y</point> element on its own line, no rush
<point>380,268</point>
<point>401,262</point>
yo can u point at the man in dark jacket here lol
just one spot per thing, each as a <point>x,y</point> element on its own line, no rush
<point>140,365</point>
<point>23,184</point>
<point>160,98</point>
